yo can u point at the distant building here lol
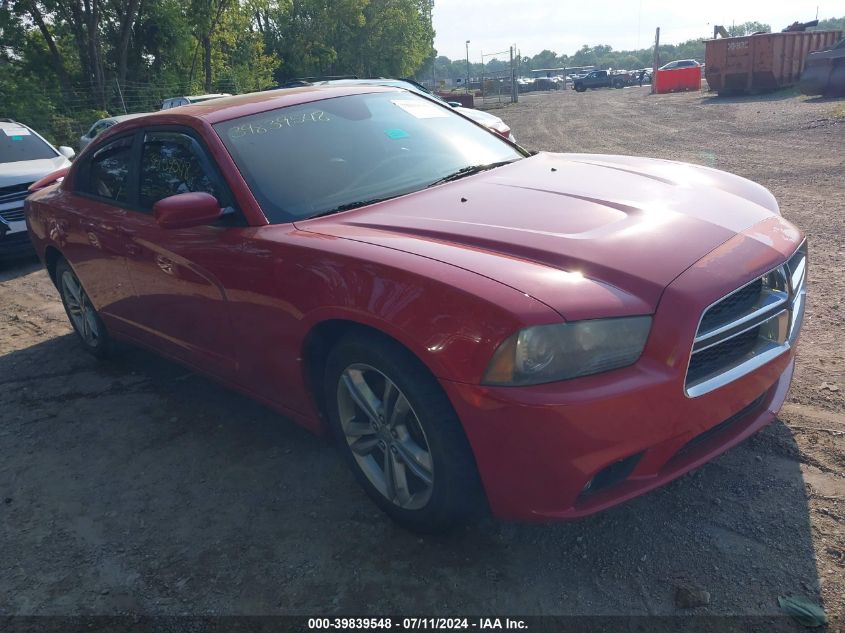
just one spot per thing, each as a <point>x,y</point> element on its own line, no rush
<point>556,72</point>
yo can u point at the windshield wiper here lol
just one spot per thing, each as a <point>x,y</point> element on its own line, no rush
<point>348,206</point>
<point>470,170</point>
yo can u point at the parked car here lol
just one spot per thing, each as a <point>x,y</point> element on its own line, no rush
<point>557,333</point>
<point>546,83</point>
<point>25,156</point>
<point>175,102</point>
<point>490,121</point>
<point>680,63</point>
<point>599,79</point>
<point>102,125</point>
<point>647,72</point>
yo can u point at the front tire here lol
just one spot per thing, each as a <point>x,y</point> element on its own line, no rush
<point>81,313</point>
<point>399,434</point>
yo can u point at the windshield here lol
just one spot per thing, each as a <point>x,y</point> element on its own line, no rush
<point>18,144</point>
<point>306,160</point>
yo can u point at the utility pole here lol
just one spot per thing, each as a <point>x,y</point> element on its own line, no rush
<point>466,85</point>
<point>656,59</point>
<point>513,80</point>
<point>481,79</point>
<point>120,92</point>
<point>433,50</point>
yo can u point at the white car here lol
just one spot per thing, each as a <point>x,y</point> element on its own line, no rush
<point>102,125</point>
<point>175,102</point>
<point>25,156</point>
<point>680,63</point>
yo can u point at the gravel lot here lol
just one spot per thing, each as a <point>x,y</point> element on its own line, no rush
<point>137,486</point>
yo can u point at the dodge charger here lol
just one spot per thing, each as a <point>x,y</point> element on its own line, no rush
<point>479,326</point>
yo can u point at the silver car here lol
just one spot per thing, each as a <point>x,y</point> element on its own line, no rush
<point>102,125</point>
<point>25,156</point>
<point>175,102</point>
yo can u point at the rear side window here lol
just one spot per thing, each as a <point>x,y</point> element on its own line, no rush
<point>19,144</point>
<point>171,163</point>
<point>108,171</point>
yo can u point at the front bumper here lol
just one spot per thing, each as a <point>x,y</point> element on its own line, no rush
<point>14,239</point>
<point>565,450</point>
<point>537,452</point>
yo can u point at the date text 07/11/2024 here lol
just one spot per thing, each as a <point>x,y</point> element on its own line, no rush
<point>491,624</point>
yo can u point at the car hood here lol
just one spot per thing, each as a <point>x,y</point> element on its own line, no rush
<point>621,228</point>
<point>29,170</point>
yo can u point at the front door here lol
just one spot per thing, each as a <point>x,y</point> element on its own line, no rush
<point>180,275</point>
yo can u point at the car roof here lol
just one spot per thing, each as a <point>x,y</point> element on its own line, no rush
<point>211,95</point>
<point>374,81</point>
<point>123,117</point>
<point>226,108</point>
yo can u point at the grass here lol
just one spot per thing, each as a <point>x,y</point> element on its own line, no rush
<point>839,111</point>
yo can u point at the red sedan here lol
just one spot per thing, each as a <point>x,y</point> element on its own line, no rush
<point>554,333</point>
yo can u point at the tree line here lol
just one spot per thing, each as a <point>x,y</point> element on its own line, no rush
<point>65,63</point>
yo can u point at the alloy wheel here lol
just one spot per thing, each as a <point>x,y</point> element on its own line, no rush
<point>385,436</point>
<point>80,310</point>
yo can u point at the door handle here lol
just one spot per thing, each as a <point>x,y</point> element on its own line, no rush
<point>166,264</point>
<point>128,237</point>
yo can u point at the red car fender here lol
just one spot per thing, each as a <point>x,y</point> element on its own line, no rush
<point>49,179</point>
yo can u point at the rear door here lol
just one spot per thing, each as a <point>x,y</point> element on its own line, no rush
<point>180,275</point>
<point>94,241</point>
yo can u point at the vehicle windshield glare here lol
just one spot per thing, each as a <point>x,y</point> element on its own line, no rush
<point>19,144</point>
<point>310,159</point>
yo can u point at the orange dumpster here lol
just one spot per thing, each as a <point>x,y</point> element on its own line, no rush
<point>758,63</point>
<point>678,79</point>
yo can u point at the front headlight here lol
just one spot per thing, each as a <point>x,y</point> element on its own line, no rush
<point>546,353</point>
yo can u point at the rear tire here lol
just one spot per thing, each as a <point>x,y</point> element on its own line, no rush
<point>579,88</point>
<point>87,324</point>
<point>399,434</point>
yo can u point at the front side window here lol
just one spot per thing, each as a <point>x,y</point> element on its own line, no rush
<point>318,157</point>
<point>171,164</point>
<point>108,171</point>
<point>19,144</point>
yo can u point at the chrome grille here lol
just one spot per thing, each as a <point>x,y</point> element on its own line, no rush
<point>749,327</point>
<point>14,192</point>
<point>12,215</point>
<point>732,306</point>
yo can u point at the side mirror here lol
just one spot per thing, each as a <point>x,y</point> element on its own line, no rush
<point>455,104</point>
<point>67,152</point>
<point>186,209</point>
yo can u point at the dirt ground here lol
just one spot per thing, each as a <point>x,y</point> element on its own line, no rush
<point>136,486</point>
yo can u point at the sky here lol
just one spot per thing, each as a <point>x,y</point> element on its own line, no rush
<point>564,26</point>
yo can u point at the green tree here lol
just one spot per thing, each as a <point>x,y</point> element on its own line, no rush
<point>830,24</point>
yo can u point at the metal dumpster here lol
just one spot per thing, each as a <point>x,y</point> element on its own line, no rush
<point>763,62</point>
<point>678,79</point>
<point>824,73</point>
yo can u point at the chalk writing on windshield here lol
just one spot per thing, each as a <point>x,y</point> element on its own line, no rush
<point>280,122</point>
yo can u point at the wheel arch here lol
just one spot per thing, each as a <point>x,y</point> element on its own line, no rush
<point>323,336</point>
<point>52,255</point>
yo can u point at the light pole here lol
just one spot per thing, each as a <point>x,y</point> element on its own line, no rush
<point>467,83</point>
